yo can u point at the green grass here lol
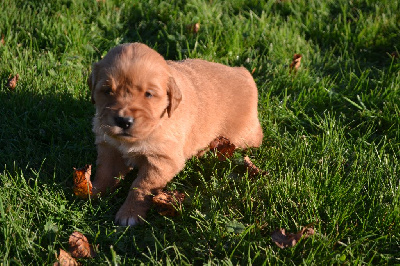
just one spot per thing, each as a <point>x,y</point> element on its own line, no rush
<point>331,146</point>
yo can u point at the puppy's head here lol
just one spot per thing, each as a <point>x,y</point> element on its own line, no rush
<point>133,90</point>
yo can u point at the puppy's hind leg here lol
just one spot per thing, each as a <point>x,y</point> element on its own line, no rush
<point>254,137</point>
<point>110,168</point>
<point>248,134</point>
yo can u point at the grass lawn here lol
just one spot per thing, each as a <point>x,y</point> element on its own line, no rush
<point>331,132</point>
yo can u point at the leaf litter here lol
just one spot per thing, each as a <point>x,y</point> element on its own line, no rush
<point>82,184</point>
<point>12,82</point>
<point>252,169</point>
<point>287,240</point>
<point>224,148</point>
<point>193,28</point>
<point>169,203</point>
<point>65,259</point>
<point>79,246</point>
<point>295,65</point>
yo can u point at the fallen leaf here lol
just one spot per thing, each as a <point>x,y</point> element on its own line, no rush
<point>167,203</point>
<point>12,82</point>
<point>252,168</point>
<point>193,28</point>
<point>64,259</point>
<point>395,54</point>
<point>283,240</point>
<point>79,246</point>
<point>2,41</point>
<point>82,184</point>
<point>224,148</point>
<point>296,62</point>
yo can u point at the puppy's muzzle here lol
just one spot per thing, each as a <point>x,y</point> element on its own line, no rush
<point>124,122</point>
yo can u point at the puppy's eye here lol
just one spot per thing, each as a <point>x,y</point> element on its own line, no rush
<point>148,94</point>
<point>108,91</point>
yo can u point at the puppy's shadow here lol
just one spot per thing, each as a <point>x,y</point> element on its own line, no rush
<point>50,133</point>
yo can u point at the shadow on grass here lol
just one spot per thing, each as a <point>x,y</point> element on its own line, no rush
<point>50,132</point>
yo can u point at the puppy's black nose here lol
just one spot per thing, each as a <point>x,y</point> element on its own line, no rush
<point>124,122</point>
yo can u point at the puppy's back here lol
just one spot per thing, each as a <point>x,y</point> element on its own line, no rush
<point>224,99</point>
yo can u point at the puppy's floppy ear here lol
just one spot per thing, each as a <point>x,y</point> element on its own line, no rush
<point>91,83</point>
<point>174,96</point>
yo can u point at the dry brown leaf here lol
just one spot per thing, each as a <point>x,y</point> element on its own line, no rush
<point>395,54</point>
<point>296,62</point>
<point>252,168</point>
<point>79,246</point>
<point>2,41</point>
<point>12,82</point>
<point>82,184</point>
<point>193,28</point>
<point>224,148</point>
<point>167,202</point>
<point>64,259</point>
<point>283,240</point>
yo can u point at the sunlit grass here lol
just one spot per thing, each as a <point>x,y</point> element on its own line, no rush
<point>331,144</point>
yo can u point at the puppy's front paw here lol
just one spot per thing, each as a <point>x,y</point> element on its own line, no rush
<point>134,209</point>
<point>126,220</point>
<point>129,217</point>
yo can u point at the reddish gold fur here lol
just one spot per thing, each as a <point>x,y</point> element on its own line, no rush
<point>194,101</point>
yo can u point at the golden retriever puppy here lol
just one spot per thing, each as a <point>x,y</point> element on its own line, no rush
<point>155,114</point>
